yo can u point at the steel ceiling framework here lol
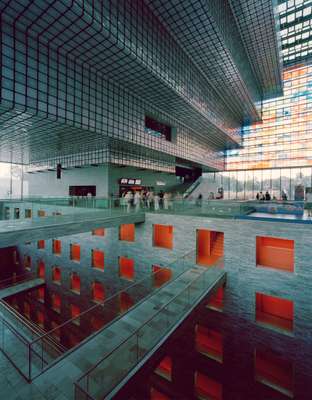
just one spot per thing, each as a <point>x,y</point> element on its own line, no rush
<point>79,75</point>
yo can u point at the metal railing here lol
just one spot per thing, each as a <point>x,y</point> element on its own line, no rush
<point>102,378</point>
<point>17,279</point>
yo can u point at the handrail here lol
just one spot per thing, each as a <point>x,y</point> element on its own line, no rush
<point>193,186</point>
<point>14,280</point>
<point>136,332</point>
<point>102,305</point>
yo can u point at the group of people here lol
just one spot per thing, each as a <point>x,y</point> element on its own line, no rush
<point>267,197</point>
<point>148,199</point>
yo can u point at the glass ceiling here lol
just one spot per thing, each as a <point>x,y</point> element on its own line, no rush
<point>295,17</point>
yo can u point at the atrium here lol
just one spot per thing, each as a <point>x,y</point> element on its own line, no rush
<point>155,199</point>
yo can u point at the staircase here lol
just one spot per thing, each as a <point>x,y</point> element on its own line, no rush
<point>217,248</point>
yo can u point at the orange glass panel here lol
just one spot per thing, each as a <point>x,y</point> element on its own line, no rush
<point>56,302</point>
<point>161,275</point>
<point>209,246</point>
<point>125,302</point>
<point>40,318</point>
<point>98,292</point>
<point>75,282</point>
<point>41,244</point>
<point>209,342</point>
<point>165,368</point>
<point>126,268</point>
<point>27,262</point>
<point>56,274</point>
<point>157,395</point>
<point>274,371</point>
<point>275,253</point>
<point>127,232</point>
<point>163,236</point>
<point>74,310</point>
<point>41,294</point>
<point>98,259</point>
<point>274,311</point>
<point>41,213</point>
<point>207,388</point>
<point>41,269</point>
<point>216,300</point>
<point>98,232</point>
<point>75,252</point>
<point>57,246</point>
<point>97,322</point>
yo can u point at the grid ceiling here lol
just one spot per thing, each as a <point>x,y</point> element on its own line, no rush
<point>295,18</point>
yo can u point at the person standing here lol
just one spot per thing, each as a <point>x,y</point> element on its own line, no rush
<point>137,201</point>
<point>309,203</point>
<point>129,199</point>
<point>156,202</point>
<point>166,201</point>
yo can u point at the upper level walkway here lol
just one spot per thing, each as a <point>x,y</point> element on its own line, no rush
<point>12,288</point>
<point>23,230</point>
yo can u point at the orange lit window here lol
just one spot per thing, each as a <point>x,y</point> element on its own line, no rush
<point>216,300</point>
<point>27,213</point>
<point>75,312</point>
<point>164,368</point>
<point>207,388</point>
<point>98,259</point>
<point>161,275</point>
<point>75,282</point>
<point>98,292</point>
<point>125,302</point>
<point>98,232</point>
<point>157,395</point>
<point>41,269</point>
<point>97,322</point>
<point>75,252</point>
<point>274,371</point>
<point>163,236</point>
<point>275,253</point>
<point>274,311</point>
<point>126,268</point>
<point>127,232</point>
<point>56,274</point>
<point>41,244</point>
<point>209,342</point>
<point>27,262</point>
<point>56,302</point>
<point>41,213</point>
<point>27,309</point>
<point>209,246</point>
<point>56,333</point>
<point>40,318</point>
<point>56,246</point>
<point>40,294</point>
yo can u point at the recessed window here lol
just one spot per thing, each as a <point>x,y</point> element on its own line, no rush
<point>98,293</point>
<point>40,318</point>
<point>41,213</point>
<point>163,236</point>
<point>41,294</point>
<point>41,244</point>
<point>127,232</point>
<point>209,342</point>
<point>274,312</point>
<point>27,213</point>
<point>126,268</point>
<point>41,269</point>
<point>27,262</point>
<point>98,259</point>
<point>56,247</point>
<point>75,312</point>
<point>55,332</point>
<point>97,322</point>
<point>164,368</point>
<point>75,252</point>
<point>27,309</point>
<point>274,371</point>
<point>207,388</point>
<point>157,395</point>
<point>56,275</point>
<point>56,302</point>
<point>98,232</point>
<point>216,300</point>
<point>75,282</point>
<point>161,275</point>
<point>210,246</point>
<point>275,253</point>
<point>125,302</point>
<point>157,129</point>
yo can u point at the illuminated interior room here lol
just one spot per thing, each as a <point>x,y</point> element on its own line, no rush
<point>155,199</point>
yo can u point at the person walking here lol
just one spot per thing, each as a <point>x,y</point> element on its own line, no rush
<point>129,199</point>
<point>156,202</point>
<point>309,203</point>
<point>166,201</point>
<point>137,201</point>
